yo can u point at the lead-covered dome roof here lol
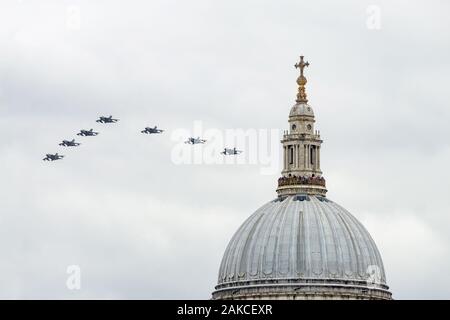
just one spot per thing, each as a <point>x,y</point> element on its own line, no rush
<point>301,237</point>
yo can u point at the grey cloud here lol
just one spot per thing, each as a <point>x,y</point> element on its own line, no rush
<point>142,227</point>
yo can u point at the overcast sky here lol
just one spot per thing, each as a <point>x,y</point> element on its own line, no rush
<point>138,224</point>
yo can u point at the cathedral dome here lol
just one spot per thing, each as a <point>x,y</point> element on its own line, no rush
<point>302,245</point>
<point>301,109</point>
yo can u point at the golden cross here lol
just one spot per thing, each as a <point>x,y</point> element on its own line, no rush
<point>301,65</point>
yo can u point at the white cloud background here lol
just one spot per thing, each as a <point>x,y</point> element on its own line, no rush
<point>140,226</point>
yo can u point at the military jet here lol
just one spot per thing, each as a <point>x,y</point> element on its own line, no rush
<point>233,151</point>
<point>67,143</point>
<point>107,120</point>
<point>194,140</point>
<point>86,133</point>
<point>149,130</point>
<point>53,157</point>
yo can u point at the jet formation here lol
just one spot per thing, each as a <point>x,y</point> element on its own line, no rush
<point>147,130</point>
<point>83,133</point>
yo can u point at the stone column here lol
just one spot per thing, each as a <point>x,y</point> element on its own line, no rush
<point>293,156</point>
<point>308,156</point>
<point>318,157</point>
<point>305,158</point>
<point>315,157</point>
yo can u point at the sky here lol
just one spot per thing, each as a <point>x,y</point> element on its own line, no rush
<point>149,217</point>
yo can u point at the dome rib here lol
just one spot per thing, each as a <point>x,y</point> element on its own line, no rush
<point>331,250</point>
<point>282,253</point>
<point>347,233</point>
<point>245,242</point>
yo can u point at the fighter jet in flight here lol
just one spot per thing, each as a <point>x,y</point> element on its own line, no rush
<point>149,130</point>
<point>71,143</point>
<point>233,151</point>
<point>86,133</point>
<point>107,120</point>
<point>195,140</point>
<point>53,157</point>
